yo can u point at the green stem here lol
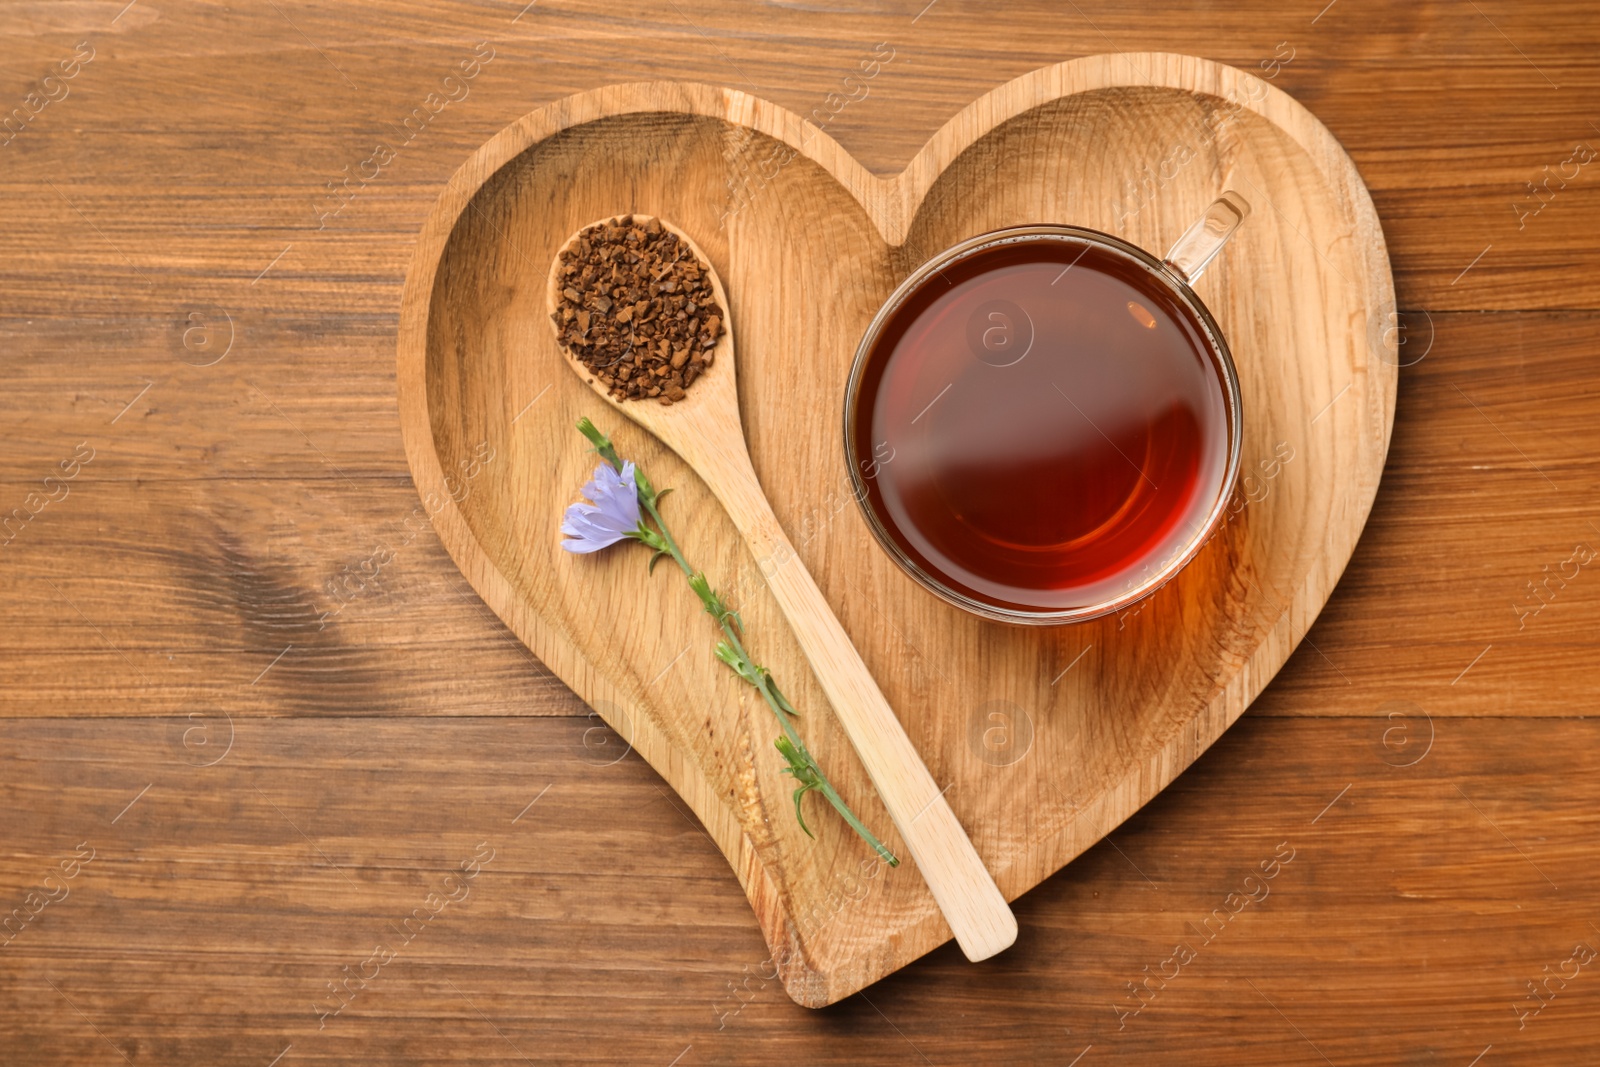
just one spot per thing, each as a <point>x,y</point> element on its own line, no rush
<point>666,535</point>
<point>775,701</point>
<point>752,672</point>
<point>825,787</point>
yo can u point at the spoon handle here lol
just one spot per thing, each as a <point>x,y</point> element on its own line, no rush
<point>966,894</point>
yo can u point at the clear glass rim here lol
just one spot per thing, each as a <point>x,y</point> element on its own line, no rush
<point>1222,358</point>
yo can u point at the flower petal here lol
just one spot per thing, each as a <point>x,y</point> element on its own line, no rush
<point>593,519</point>
<point>579,544</point>
<point>608,515</point>
<point>587,534</point>
<point>615,494</point>
<point>584,526</point>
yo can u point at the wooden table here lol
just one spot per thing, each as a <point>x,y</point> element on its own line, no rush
<point>254,719</point>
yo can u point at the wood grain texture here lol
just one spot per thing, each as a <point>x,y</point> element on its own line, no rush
<point>808,251</point>
<point>192,152</point>
<point>218,908</point>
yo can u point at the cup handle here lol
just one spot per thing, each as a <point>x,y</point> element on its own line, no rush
<point>1200,243</point>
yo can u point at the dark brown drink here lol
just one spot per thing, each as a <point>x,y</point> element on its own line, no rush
<point>1042,425</point>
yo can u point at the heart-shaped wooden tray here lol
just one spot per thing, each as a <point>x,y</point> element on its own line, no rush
<point>1047,737</point>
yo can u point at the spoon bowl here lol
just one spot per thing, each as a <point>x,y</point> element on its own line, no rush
<point>706,421</point>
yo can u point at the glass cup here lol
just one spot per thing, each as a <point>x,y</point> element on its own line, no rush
<point>993,493</point>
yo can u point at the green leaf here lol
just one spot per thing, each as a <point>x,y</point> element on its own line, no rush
<point>602,443</point>
<point>800,764</point>
<point>647,493</point>
<point>708,596</point>
<point>645,535</point>
<point>727,655</point>
<point>798,817</point>
<point>803,771</point>
<point>783,701</point>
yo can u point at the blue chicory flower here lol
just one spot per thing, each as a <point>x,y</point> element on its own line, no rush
<point>608,515</point>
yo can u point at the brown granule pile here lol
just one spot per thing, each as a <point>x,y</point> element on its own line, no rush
<point>636,307</point>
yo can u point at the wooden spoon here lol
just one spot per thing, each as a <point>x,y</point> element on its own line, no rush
<point>705,430</point>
